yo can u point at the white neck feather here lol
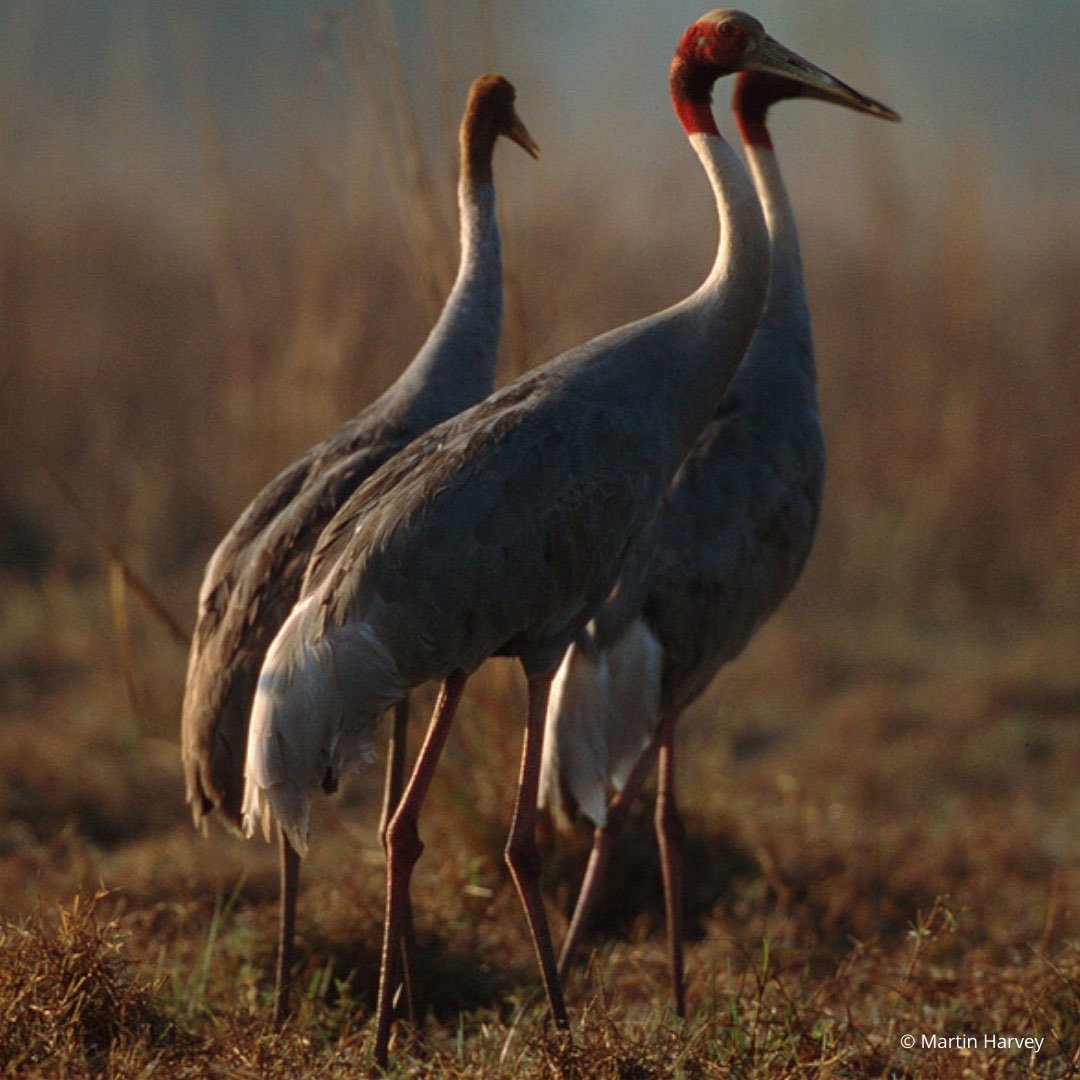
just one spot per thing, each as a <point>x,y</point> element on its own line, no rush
<point>787,294</point>
<point>455,367</point>
<point>678,363</point>
<point>728,304</point>
<point>742,257</point>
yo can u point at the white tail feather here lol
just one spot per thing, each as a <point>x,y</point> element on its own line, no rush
<point>602,714</point>
<point>321,693</point>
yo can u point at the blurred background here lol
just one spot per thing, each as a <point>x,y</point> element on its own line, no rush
<point>224,228</point>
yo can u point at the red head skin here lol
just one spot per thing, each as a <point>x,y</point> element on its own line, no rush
<point>707,51</point>
<point>754,93</point>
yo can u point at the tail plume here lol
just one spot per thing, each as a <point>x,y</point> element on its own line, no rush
<point>603,713</point>
<point>321,693</point>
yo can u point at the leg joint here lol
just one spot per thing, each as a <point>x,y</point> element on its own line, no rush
<point>403,840</point>
<point>523,857</point>
<point>668,821</point>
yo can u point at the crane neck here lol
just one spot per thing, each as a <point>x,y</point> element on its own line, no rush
<point>728,304</point>
<point>742,255</point>
<point>734,290</point>
<point>785,357</point>
<point>475,300</point>
<point>786,287</point>
<point>671,369</point>
<point>455,367</point>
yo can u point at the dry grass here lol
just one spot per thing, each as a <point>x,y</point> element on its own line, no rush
<point>69,996</point>
<point>881,794</point>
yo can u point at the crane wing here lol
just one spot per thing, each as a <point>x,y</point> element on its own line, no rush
<point>251,583</point>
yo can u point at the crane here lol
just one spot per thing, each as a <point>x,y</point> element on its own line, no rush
<point>502,530</point>
<point>253,578</point>
<point>730,541</point>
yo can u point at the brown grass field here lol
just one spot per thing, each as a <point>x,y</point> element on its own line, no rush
<point>881,794</point>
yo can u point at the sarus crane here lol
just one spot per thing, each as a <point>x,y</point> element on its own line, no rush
<point>500,532</point>
<point>729,543</point>
<point>253,578</point>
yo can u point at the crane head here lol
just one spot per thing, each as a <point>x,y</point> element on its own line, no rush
<point>724,42</point>
<point>755,93</point>
<point>491,113</point>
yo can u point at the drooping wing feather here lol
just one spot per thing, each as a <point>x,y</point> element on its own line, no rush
<point>498,532</point>
<point>251,583</point>
<point>544,532</point>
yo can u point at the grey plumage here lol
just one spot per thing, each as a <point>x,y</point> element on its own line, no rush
<point>254,577</point>
<point>728,543</point>
<point>501,530</point>
<point>250,585</point>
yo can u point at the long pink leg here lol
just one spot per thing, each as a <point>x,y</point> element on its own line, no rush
<point>395,767</point>
<point>670,836</point>
<point>522,854</point>
<point>289,869</point>
<point>403,849</point>
<point>605,837</point>
<point>392,788</point>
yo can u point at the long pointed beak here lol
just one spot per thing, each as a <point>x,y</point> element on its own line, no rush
<point>772,58</point>
<point>519,133</point>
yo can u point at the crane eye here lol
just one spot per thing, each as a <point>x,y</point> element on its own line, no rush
<point>734,33</point>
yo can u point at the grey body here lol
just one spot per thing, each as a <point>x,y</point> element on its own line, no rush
<point>738,523</point>
<point>730,541</point>
<point>501,530</point>
<point>253,578</point>
<point>506,527</point>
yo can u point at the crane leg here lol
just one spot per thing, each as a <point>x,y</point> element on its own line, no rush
<point>523,856</point>
<point>670,837</point>
<point>392,789</point>
<point>289,868</point>
<point>403,848</point>
<point>605,837</point>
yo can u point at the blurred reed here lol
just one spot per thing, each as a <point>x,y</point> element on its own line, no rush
<point>167,365</point>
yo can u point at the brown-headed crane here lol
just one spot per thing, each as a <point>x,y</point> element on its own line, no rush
<point>253,578</point>
<point>500,532</point>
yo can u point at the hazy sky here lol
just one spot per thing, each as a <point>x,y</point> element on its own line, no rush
<point>116,81</point>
